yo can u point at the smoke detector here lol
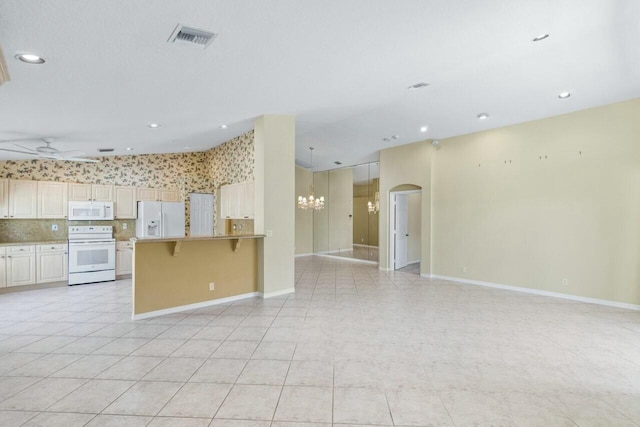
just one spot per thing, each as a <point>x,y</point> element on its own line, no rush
<point>191,36</point>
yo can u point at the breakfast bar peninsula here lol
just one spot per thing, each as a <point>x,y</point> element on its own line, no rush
<point>179,274</point>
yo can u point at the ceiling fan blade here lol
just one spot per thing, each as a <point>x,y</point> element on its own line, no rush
<point>73,153</point>
<point>26,148</point>
<point>17,151</point>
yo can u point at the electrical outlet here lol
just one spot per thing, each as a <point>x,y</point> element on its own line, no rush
<point>565,282</point>
<point>269,233</point>
<point>464,269</point>
<point>212,286</point>
<point>54,227</point>
<point>125,225</point>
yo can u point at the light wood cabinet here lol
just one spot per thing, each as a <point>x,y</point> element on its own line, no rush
<point>237,200</point>
<point>169,195</point>
<point>125,202</point>
<point>3,267</point>
<point>52,199</point>
<point>90,192</point>
<point>23,199</point>
<point>147,194</point>
<point>124,258</point>
<point>51,263</point>
<point>158,195</point>
<point>79,192</point>
<point>101,193</point>
<point>4,198</point>
<point>21,265</point>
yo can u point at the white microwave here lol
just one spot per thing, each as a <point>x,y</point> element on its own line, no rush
<point>87,211</point>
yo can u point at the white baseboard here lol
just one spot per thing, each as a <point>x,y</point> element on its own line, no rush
<point>413,262</point>
<point>301,255</point>
<point>197,305</point>
<point>344,258</point>
<point>364,246</point>
<point>277,293</point>
<point>537,292</point>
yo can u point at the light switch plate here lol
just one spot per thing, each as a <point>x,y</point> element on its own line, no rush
<point>125,225</point>
<point>54,227</point>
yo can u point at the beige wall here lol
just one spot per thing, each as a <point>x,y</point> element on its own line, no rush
<point>406,164</point>
<point>533,204</point>
<point>321,218</point>
<point>275,213</point>
<point>304,218</point>
<point>414,240</point>
<point>340,207</point>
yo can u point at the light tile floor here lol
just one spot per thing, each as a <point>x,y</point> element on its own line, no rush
<point>352,346</point>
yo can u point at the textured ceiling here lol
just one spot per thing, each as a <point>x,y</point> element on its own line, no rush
<point>341,66</point>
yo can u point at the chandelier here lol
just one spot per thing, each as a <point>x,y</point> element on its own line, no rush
<point>375,206</point>
<point>310,201</point>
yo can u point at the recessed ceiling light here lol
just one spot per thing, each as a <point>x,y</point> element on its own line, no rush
<point>564,95</point>
<point>223,126</point>
<point>129,149</point>
<point>424,128</point>
<point>540,37</point>
<point>153,125</point>
<point>396,137</point>
<point>483,116</point>
<point>386,139</point>
<point>187,148</point>
<point>30,58</point>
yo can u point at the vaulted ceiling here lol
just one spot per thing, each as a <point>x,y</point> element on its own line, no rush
<point>342,67</point>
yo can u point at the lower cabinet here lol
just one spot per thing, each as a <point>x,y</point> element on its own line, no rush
<point>31,264</point>
<point>3,267</point>
<point>52,263</point>
<point>20,265</point>
<point>124,258</point>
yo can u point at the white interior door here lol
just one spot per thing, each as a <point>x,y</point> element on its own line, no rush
<point>201,215</point>
<point>401,221</point>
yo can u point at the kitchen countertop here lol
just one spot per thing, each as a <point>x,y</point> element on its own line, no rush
<point>198,239</point>
<point>45,242</point>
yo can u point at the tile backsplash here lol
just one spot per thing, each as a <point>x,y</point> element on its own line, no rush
<point>39,230</point>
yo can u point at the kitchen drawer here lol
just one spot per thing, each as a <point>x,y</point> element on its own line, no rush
<point>121,246</point>
<point>56,247</point>
<point>21,249</point>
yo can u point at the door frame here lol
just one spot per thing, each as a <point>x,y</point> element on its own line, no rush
<point>392,224</point>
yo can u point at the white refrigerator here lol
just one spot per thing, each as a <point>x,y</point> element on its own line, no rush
<point>160,220</point>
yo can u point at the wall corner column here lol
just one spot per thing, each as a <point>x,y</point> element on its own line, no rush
<point>275,209</point>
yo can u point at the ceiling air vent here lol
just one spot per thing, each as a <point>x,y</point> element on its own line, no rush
<point>105,150</point>
<point>418,85</point>
<point>191,36</point>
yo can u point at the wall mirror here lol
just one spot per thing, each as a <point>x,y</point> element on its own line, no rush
<point>348,226</point>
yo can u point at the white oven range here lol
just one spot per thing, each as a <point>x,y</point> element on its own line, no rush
<point>92,254</point>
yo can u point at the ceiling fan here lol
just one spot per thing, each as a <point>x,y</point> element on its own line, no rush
<point>48,152</point>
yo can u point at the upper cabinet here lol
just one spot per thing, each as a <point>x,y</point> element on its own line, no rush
<point>237,201</point>
<point>52,199</point>
<point>125,202</point>
<point>147,194</point>
<point>90,192</point>
<point>169,195</point>
<point>23,199</point>
<point>158,195</point>
<point>4,198</point>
